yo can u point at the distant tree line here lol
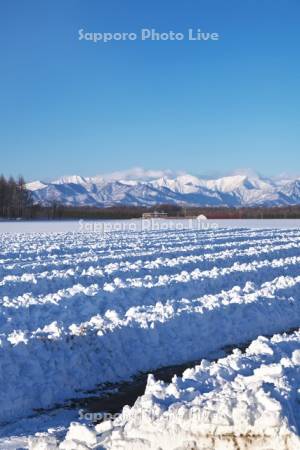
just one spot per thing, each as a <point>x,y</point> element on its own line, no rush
<point>16,202</point>
<point>15,199</point>
<point>58,212</point>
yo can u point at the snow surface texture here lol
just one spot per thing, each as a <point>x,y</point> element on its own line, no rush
<point>246,401</point>
<point>79,309</point>
<point>140,187</point>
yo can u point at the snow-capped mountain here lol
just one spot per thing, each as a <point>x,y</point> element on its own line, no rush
<point>140,187</point>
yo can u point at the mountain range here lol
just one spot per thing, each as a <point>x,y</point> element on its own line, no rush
<point>142,187</point>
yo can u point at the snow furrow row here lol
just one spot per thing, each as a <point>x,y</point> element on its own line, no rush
<point>44,254</point>
<point>51,281</point>
<point>80,302</point>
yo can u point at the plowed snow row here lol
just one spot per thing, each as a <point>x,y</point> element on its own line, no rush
<point>246,401</point>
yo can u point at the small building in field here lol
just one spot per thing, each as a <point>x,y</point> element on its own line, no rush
<point>154,215</point>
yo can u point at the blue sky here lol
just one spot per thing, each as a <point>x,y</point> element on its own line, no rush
<point>69,106</point>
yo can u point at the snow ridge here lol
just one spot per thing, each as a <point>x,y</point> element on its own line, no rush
<point>245,401</point>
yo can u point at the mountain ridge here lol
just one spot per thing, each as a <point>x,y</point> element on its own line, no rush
<point>139,187</point>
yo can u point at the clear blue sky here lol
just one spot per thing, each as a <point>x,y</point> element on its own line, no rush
<point>73,107</point>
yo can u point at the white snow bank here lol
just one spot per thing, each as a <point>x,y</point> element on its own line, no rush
<point>247,401</point>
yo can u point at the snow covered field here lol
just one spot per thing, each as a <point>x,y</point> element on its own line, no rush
<point>79,309</point>
<point>50,226</point>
